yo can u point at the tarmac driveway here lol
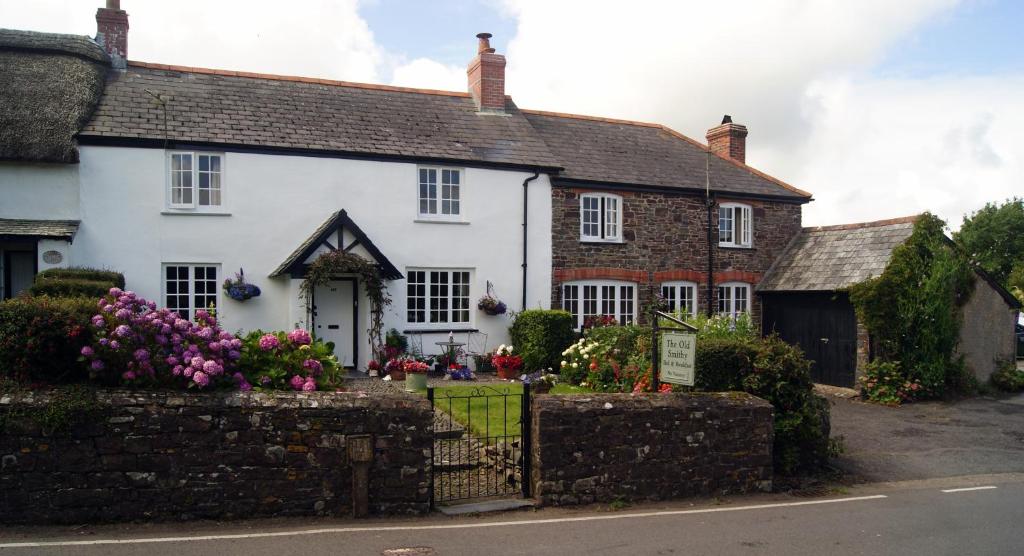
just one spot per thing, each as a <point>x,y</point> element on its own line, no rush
<point>929,440</point>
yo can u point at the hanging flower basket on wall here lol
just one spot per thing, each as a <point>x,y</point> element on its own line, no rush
<point>491,305</point>
<point>238,289</point>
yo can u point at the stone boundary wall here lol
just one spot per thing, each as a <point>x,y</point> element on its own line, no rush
<point>605,447</point>
<point>170,456</point>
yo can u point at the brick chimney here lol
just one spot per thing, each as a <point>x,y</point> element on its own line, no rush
<point>112,32</point>
<point>486,75</point>
<point>729,140</point>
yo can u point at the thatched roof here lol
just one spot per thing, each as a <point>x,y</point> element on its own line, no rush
<point>50,87</point>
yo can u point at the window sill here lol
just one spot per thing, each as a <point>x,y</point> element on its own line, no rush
<point>439,330</point>
<point>608,241</point>
<point>440,221</point>
<point>738,247</point>
<point>193,213</point>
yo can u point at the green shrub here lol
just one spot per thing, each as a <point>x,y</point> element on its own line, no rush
<point>721,363</point>
<point>622,342</point>
<point>778,373</point>
<point>1008,378</point>
<point>70,287</point>
<point>82,273</point>
<point>41,338</point>
<point>540,336</point>
<point>724,328</point>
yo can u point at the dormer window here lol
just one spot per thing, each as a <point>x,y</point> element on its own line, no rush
<point>600,217</point>
<point>195,181</point>
<point>735,225</point>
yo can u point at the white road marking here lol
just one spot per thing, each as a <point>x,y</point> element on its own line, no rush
<point>966,489</point>
<point>387,528</point>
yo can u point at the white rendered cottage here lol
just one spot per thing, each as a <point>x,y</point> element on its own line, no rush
<point>180,177</point>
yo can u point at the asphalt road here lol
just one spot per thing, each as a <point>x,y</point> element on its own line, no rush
<point>899,518</point>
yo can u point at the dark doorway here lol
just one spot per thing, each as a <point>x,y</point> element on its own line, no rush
<point>823,324</point>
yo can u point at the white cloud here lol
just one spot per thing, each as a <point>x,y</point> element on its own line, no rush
<point>429,74</point>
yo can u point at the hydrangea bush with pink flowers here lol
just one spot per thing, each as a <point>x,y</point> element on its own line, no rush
<point>289,361</point>
<point>137,344</point>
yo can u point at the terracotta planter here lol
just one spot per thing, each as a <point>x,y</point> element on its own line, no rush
<point>415,381</point>
<point>507,373</point>
<point>397,375</point>
<point>540,388</point>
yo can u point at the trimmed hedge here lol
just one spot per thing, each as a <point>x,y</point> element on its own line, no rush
<point>83,273</point>
<point>76,282</point>
<point>41,338</point>
<point>540,336</point>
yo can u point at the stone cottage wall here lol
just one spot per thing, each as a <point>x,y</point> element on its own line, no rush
<point>605,447</point>
<point>161,455</point>
<point>665,239</point>
<point>987,334</point>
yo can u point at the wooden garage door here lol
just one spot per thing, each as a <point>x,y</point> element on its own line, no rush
<point>823,325</point>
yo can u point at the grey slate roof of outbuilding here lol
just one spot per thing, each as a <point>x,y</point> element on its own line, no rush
<point>257,110</point>
<point>831,258</point>
<point>49,87</point>
<point>61,229</point>
<point>637,153</point>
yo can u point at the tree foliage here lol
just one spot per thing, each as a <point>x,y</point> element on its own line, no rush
<point>912,308</point>
<point>993,237</point>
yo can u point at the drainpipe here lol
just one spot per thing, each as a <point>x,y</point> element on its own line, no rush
<point>526,212</point>
<point>711,258</point>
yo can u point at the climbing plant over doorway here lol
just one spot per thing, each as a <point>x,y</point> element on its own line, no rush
<point>332,264</point>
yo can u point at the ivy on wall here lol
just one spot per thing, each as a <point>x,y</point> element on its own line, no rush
<point>912,310</point>
<point>334,264</point>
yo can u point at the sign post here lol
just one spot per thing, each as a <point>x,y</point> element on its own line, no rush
<point>674,362</point>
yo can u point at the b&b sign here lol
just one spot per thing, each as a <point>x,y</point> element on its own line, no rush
<point>678,351</point>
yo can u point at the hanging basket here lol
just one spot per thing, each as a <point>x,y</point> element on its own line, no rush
<point>238,289</point>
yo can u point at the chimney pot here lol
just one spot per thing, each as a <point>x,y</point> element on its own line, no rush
<point>729,140</point>
<point>113,4</point>
<point>486,76</point>
<point>485,43</point>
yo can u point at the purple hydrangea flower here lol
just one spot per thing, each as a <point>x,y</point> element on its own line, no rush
<point>234,354</point>
<point>97,365</point>
<point>313,366</point>
<point>196,363</point>
<point>87,351</point>
<point>297,382</point>
<point>123,314</point>
<point>299,337</point>
<point>115,345</point>
<point>309,386</point>
<point>206,333</point>
<point>200,378</point>
<point>141,355</point>
<point>245,386</point>
<point>128,375</point>
<point>122,330</point>
<point>177,370</point>
<point>103,342</point>
<point>268,342</point>
<point>97,321</point>
<point>265,380</point>
<point>212,368</point>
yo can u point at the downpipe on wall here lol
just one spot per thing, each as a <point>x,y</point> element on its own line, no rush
<point>526,219</point>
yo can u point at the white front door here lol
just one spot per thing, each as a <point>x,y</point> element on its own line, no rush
<point>334,318</point>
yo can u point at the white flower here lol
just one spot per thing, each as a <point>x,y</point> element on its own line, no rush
<point>575,365</point>
<point>387,378</point>
<point>564,363</point>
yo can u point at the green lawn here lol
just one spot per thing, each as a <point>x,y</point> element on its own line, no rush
<point>488,416</point>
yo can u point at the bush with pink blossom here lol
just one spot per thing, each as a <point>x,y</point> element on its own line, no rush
<point>289,361</point>
<point>137,344</point>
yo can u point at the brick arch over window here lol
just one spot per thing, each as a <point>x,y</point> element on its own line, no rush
<point>600,273</point>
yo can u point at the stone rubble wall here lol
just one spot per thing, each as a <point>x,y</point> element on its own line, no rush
<point>608,447</point>
<point>169,456</point>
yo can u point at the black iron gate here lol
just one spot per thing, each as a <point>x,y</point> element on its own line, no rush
<point>481,445</point>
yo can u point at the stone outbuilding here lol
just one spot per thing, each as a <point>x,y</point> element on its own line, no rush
<point>804,300</point>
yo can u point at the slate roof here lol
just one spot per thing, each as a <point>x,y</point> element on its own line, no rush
<point>311,114</point>
<point>619,151</point>
<point>830,258</point>
<point>49,87</point>
<point>63,229</point>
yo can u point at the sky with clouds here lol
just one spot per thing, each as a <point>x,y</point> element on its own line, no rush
<point>879,108</point>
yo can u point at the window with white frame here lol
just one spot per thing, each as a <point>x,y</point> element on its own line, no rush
<point>590,300</point>
<point>680,297</point>
<point>600,217</point>
<point>440,193</point>
<point>196,180</point>
<point>435,296</point>
<point>735,225</point>
<point>188,287</point>
<point>733,299</point>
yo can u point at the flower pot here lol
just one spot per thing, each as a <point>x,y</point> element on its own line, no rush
<point>397,375</point>
<point>415,381</point>
<point>507,373</point>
